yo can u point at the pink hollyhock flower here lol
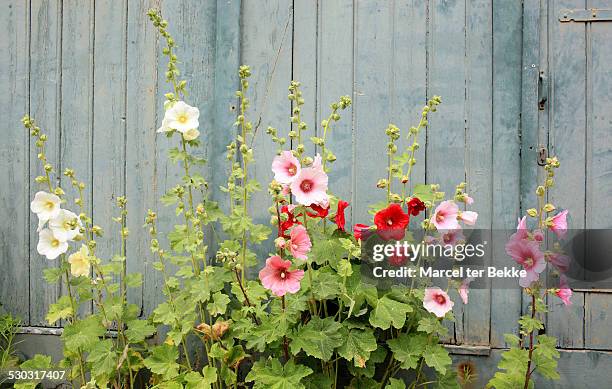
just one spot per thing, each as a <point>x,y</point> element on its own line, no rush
<point>280,242</point>
<point>285,167</point>
<point>468,200</point>
<point>277,277</point>
<point>340,219</point>
<point>299,243</point>
<point>445,216</point>
<point>560,261</point>
<point>565,294</point>
<point>359,229</point>
<point>538,236</point>
<point>391,222</point>
<point>452,237</point>
<point>317,163</point>
<point>437,302</point>
<point>527,253</point>
<point>310,186</point>
<point>559,224</point>
<point>464,289</point>
<point>468,217</point>
<point>286,190</point>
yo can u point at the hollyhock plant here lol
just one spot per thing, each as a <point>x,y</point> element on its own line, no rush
<point>299,243</point>
<point>285,167</point>
<point>565,294</point>
<point>277,277</point>
<point>437,302</point>
<point>49,245</point>
<point>445,216</point>
<point>310,186</point>
<point>391,222</point>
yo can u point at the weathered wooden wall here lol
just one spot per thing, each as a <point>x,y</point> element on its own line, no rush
<point>91,73</point>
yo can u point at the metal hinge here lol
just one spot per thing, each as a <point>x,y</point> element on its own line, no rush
<point>542,155</point>
<point>585,15</point>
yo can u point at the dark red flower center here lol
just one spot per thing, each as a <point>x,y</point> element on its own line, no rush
<point>389,222</point>
<point>292,170</point>
<point>440,299</point>
<point>306,185</point>
<point>283,275</point>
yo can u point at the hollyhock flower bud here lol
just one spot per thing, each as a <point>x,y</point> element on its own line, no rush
<point>558,224</point>
<point>549,207</point>
<point>437,302</point>
<point>359,229</point>
<point>280,242</point>
<point>532,212</point>
<point>339,219</point>
<point>564,294</point>
<point>468,217</point>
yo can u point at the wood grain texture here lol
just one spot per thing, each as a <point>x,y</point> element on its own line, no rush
<point>14,156</point>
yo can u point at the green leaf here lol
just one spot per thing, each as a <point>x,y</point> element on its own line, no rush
<point>318,338</point>
<point>389,312</point>
<point>133,280</point>
<point>408,349</point>
<point>327,250</point>
<point>62,309</point>
<point>512,340</point>
<point>138,330</point>
<point>83,333</point>
<point>431,325</point>
<point>103,358</point>
<point>218,305</point>
<point>272,375</point>
<point>530,324</point>
<point>394,383</point>
<point>38,362</point>
<point>162,361</point>
<point>259,232</point>
<point>448,381</point>
<point>545,357</point>
<point>345,269</point>
<point>318,381</point>
<point>424,192</point>
<point>325,284</point>
<point>53,274</point>
<point>437,357</point>
<point>358,345</point>
<point>164,314</point>
<point>195,380</point>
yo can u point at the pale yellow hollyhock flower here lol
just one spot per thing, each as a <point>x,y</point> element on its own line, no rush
<point>49,245</point>
<point>80,262</point>
<point>45,205</point>
<point>191,134</point>
<point>182,117</point>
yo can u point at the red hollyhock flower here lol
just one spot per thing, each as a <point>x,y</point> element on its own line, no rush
<point>359,230</point>
<point>392,222</point>
<point>319,211</point>
<point>340,220</point>
<point>415,206</point>
<point>291,219</point>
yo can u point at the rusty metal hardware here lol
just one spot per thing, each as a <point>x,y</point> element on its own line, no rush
<point>542,155</point>
<point>542,90</point>
<point>585,15</point>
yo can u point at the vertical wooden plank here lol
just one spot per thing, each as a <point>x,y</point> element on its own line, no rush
<point>568,121</point>
<point>227,62</point>
<point>14,154</point>
<point>335,79</point>
<point>45,106</point>
<point>266,48</point>
<point>479,148</point>
<point>506,303</point>
<point>598,163</point>
<point>447,68</point>
<point>372,113</point>
<point>304,65</point>
<point>141,185</point>
<point>109,125</point>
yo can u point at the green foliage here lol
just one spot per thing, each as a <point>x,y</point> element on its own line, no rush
<point>272,375</point>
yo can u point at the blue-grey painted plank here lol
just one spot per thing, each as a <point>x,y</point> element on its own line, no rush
<point>109,126</point>
<point>142,120</point>
<point>45,106</point>
<point>335,79</point>
<point>14,146</point>
<point>479,150</point>
<point>506,304</point>
<point>567,96</point>
<point>267,48</point>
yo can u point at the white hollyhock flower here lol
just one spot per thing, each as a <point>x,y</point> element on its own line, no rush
<point>45,205</point>
<point>191,134</point>
<point>164,126</point>
<point>65,226</point>
<point>80,262</point>
<point>49,245</point>
<point>182,117</point>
